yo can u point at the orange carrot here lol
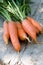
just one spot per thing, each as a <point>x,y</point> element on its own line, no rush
<point>6,32</point>
<point>29,29</point>
<point>35,23</point>
<point>37,31</point>
<point>14,36</point>
<point>21,33</point>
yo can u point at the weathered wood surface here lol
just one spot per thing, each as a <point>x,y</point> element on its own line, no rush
<point>33,53</point>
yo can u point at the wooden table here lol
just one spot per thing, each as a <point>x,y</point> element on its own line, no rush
<point>31,54</point>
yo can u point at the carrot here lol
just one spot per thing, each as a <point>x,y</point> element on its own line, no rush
<point>37,31</point>
<point>29,29</point>
<point>21,33</point>
<point>14,36</point>
<point>6,32</point>
<point>35,23</point>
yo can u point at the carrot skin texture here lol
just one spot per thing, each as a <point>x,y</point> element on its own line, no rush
<point>28,29</point>
<point>36,30</point>
<point>35,23</point>
<point>14,36</point>
<point>6,32</point>
<point>21,33</point>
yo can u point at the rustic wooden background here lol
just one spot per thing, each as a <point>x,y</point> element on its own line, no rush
<point>31,54</point>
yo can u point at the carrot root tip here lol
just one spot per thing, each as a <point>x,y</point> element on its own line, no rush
<point>42,31</point>
<point>28,39</point>
<point>19,57</point>
<point>6,41</point>
<point>39,42</point>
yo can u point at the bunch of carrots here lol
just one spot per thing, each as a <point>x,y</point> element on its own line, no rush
<point>23,28</point>
<point>15,30</point>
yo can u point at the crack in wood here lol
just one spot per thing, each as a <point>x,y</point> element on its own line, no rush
<point>9,62</point>
<point>19,62</point>
<point>25,48</point>
<point>2,63</point>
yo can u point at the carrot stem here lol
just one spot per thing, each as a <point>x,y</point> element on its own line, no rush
<point>17,9</point>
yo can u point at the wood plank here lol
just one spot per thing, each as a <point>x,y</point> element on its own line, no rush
<point>31,54</point>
